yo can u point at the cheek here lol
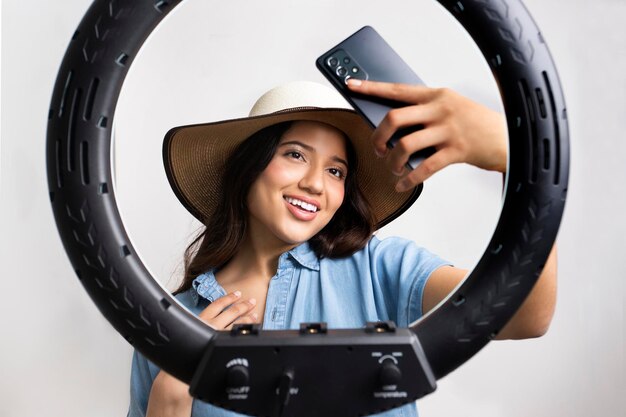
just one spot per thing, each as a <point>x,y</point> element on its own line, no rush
<point>337,195</point>
<point>278,173</point>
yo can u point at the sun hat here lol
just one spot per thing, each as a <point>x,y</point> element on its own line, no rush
<point>194,155</point>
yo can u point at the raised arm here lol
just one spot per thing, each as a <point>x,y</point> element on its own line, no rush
<point>461,131</point>
<point>534,315</point>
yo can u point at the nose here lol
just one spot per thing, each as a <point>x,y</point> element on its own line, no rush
<point>312,180</point>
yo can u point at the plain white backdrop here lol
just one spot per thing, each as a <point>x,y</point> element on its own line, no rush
<point>209,61</point>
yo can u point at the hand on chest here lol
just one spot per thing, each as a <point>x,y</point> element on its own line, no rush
<point>250,289</point>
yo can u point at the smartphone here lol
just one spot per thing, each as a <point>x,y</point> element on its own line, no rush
<point>367,56</point>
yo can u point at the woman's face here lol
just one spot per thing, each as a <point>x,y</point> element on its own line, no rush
<point>302,187</point>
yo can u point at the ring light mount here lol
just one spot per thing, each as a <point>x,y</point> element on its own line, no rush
<point>378,367</point>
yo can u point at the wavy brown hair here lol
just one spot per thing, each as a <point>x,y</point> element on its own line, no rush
<point>348,231</point>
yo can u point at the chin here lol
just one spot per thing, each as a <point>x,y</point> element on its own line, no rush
<point>296,237</point>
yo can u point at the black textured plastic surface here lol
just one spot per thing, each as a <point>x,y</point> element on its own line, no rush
<point>83,200</point>
<point>79,177</point>
<point>535,190</point>
<point>336,373</point>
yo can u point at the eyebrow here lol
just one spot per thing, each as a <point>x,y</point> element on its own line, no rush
<point>312,149</point>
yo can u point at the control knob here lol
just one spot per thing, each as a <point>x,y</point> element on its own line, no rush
<point>238,376</point>
<point>390,375</point>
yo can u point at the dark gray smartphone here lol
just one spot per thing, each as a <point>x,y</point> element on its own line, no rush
<point>367,56</point>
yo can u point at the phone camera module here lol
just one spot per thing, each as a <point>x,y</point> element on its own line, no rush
<point>332,61</point>
<point>341,71</point>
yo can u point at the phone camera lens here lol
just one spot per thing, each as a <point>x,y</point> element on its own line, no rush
<point>341,71</point>
<point>346,60</point>
<point>332,61</point>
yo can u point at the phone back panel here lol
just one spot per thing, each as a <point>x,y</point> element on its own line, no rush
<point>379,62</point>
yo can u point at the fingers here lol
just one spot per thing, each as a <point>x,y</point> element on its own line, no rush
<point>228,309</point>
<point>235,311</point>
<point>406,93</point>
<point>401,118</point>
<point>459,129</point>
<point>409,144</point>
<point>426,169</point>
<point>218,305</point>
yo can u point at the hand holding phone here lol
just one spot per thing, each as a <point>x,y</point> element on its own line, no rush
<point>462,130</point>
<point>365,55</point>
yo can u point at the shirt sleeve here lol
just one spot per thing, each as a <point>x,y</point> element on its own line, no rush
<point>402,269</point>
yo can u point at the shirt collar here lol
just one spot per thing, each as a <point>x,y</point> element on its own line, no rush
<point>305,256</point>
<point>206,286</point>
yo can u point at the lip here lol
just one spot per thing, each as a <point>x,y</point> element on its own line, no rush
<point>305,199</point>
<point>299,213</point>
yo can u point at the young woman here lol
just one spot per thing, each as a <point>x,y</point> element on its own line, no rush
<point>291,196</point>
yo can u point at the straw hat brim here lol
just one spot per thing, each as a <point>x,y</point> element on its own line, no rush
<point>194,158</point>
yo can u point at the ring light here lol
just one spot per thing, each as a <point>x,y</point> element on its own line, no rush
<point>280,372</point>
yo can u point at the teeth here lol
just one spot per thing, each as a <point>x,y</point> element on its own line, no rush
<point>302,204</point>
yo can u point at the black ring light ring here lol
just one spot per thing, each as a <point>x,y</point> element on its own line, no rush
<point>79,177</point>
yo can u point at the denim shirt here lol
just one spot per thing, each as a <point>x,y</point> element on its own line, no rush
<point>383,281</point>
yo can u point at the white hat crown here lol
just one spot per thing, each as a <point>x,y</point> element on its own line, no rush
<point>298,94</point>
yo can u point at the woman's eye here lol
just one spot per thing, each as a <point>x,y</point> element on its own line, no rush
<point>337,172</point>
<point>295,154</point>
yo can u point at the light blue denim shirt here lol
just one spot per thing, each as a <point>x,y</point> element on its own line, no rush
<point>383,281</point>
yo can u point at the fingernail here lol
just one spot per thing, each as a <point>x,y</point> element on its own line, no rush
<point>402,186</point>
<point>237,293</point>
<point>354,82</point>
<point>252,301</point>
<point>398,173</point>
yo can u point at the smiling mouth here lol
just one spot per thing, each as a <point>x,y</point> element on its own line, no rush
<point>302,205</point>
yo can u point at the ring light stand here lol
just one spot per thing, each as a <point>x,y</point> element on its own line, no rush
<point>312,371</point>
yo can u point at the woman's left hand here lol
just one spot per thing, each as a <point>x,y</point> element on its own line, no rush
<point>459,129</point>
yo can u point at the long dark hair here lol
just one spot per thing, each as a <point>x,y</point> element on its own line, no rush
<point>348,231</point>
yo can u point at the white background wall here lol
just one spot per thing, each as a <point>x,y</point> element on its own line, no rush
<point>209,61</point>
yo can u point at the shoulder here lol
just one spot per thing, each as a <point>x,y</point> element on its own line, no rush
<point>392,242</point>
<point>391,256</point>
<point>395,249</point>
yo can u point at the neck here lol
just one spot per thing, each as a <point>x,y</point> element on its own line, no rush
<point>257,258</point>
